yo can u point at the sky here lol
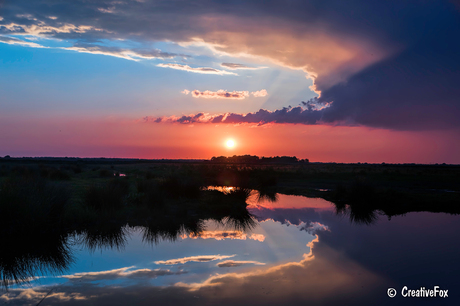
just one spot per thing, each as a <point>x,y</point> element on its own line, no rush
<point>331,81</point>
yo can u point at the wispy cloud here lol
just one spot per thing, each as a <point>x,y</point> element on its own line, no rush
<point>201,258</point>
<point>224,94</point>
<point>220,94</point>
<point>234,66</point>
<point>202,70</point>
<point>125,272</point>
<point>20,42</point>
<point>129,54</point>
<point>235,263</point>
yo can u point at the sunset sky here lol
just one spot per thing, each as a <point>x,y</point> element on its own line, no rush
<point>327,80</point>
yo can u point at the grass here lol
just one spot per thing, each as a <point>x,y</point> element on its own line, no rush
<point>107,196</point>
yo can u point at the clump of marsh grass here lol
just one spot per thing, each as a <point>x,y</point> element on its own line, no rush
<point>105,173</point>
<point>175,188</point>
<point>110,195</point>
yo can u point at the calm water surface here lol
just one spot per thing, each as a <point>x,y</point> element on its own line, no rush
<point>298,250</point>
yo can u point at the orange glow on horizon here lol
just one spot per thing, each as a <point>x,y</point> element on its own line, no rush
<point>118,137</point>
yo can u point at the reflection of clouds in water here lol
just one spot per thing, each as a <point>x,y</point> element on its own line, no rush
<point>202,258</point>
<point>140,274</point>
<point>327,280</point>
<point>313,227</point>
<point>290,216</point>
<point>237,263</point>
<point>33,296</point>
<point>348,265</point>
<point>288,202</point>
<point>221,235</point>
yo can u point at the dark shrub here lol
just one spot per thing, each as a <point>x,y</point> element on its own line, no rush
<point>57,174</point>
<point>105,173</point>
<point>175,188</point>
<point>107,196</point>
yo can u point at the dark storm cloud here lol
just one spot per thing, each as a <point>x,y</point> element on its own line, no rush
<point>417,89</point>
<point>382,64</point>
<point>295,115</point>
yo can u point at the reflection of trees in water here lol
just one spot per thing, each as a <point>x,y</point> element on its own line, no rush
<point>43,243</point>
<point>265,194</point>
<point>362,215</point>
<point>33,241</point>
<point>25,256</point>
<point>358,213</point>
<point>104,235</point>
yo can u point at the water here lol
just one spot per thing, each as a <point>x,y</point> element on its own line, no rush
<point>297,250</point>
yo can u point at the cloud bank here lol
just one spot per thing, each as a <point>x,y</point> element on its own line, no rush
<point>294,115</point>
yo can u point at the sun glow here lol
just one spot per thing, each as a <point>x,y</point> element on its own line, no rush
<point>230,143</point>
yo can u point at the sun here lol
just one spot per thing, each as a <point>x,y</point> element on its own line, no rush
<point>230,143</point>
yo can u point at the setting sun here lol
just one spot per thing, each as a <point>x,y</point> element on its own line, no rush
<point>230,143</point>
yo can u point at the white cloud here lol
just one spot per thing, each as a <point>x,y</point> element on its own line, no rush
<point>224,94</point>
<point>202,70</point>
<point>234,66</point>
<point>15,41</point>
<point>260,93</point>
<point>201,258</point>
<point>220,94</point>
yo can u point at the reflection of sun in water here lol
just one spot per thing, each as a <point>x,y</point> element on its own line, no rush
<point>230,143</point>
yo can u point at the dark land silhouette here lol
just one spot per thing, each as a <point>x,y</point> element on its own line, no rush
<point>50,205</point>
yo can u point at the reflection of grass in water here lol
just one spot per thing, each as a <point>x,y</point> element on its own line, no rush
<point>238,195</point>
<point>242,220</point>
<point>107,235</point>
<point>266,195</point>
<point>33,240</point>
<point>154,232</point>
<point>38,253</point>
<point>361,215</point>
<point>358,200</point>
